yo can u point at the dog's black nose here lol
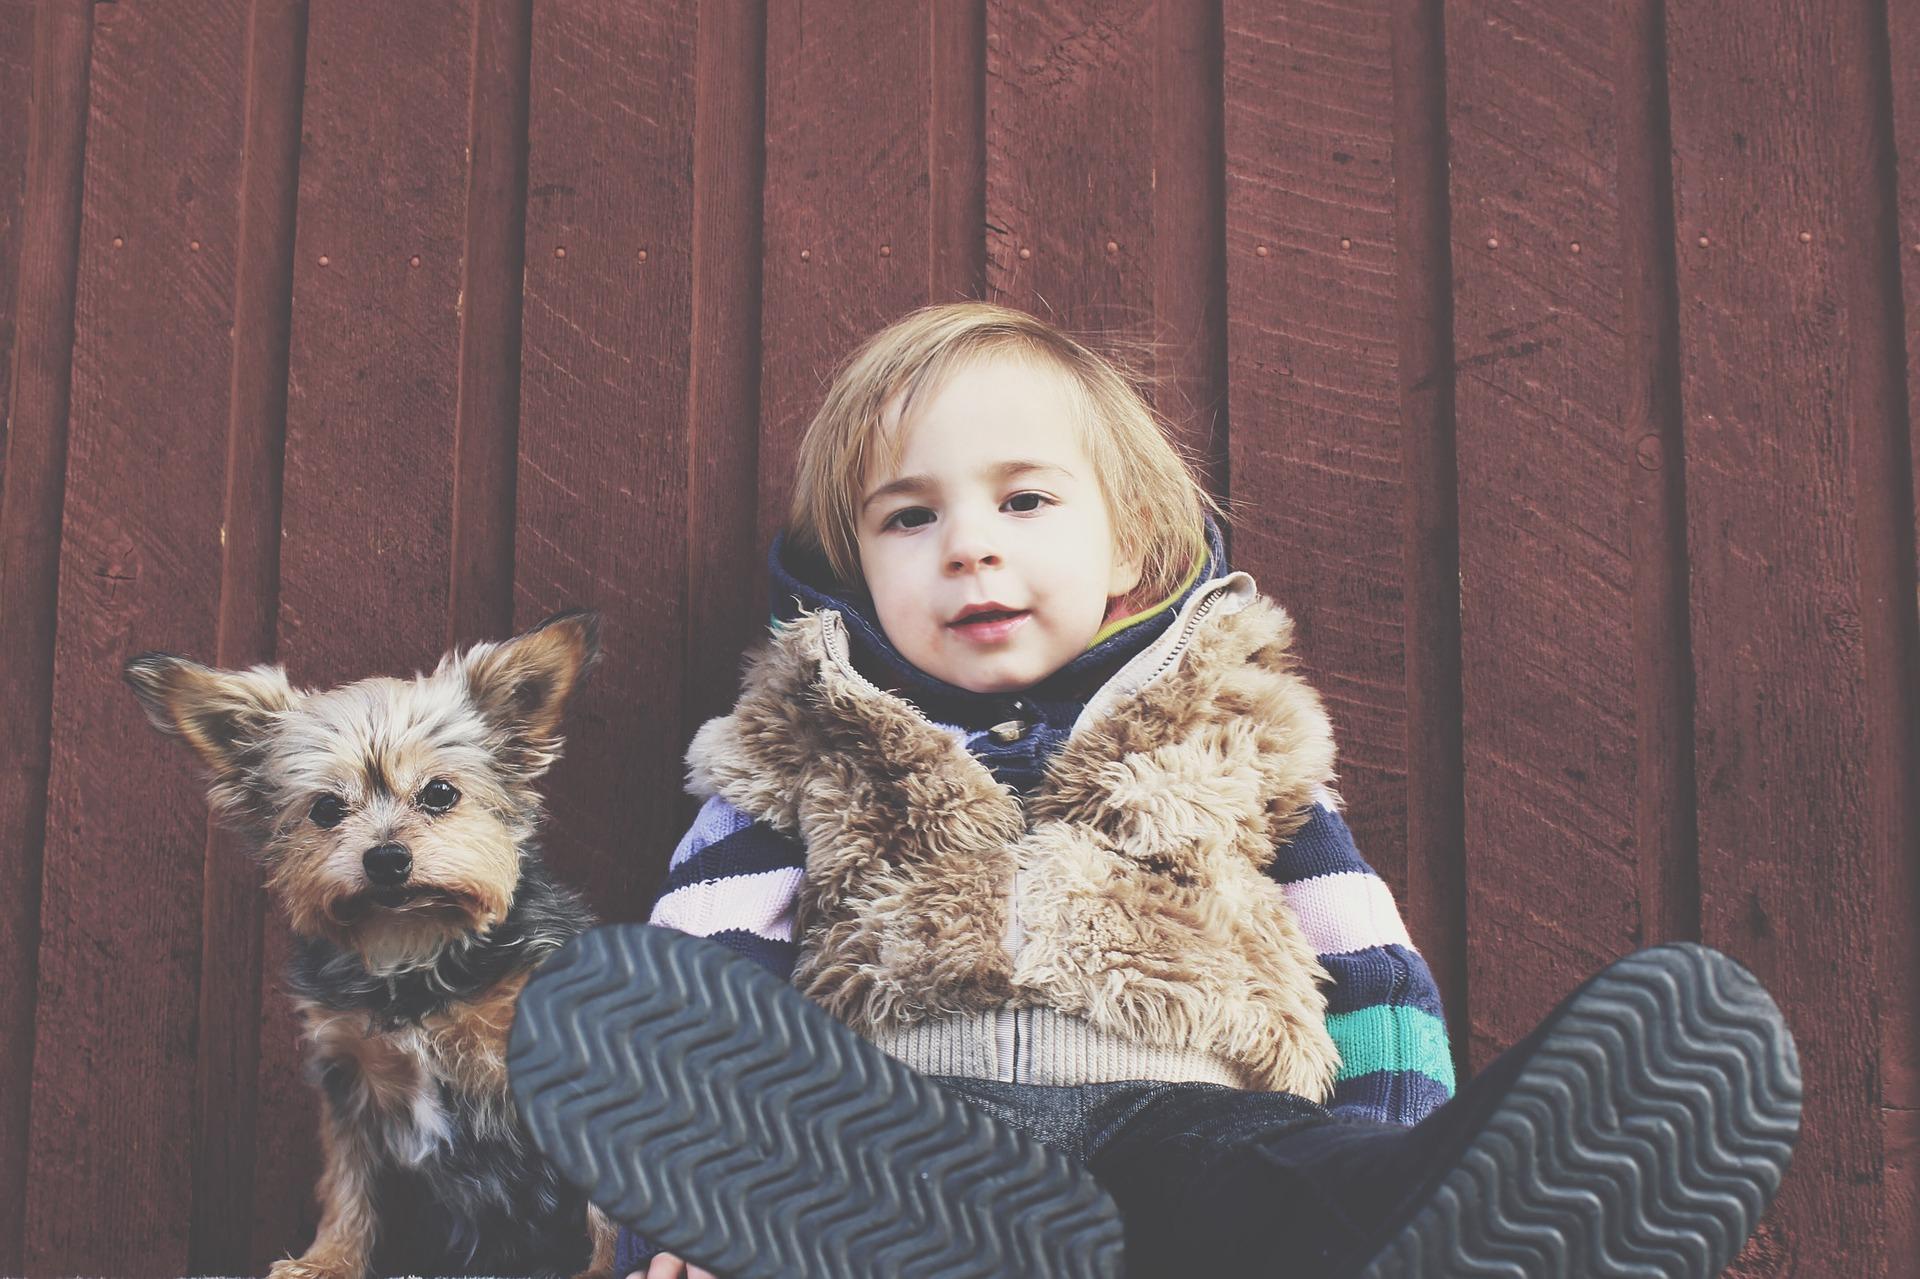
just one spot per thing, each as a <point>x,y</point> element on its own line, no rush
<point>388,865</point>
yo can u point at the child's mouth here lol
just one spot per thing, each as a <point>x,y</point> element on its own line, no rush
<point>990,628</point>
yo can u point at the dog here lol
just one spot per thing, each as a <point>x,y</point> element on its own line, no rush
<point>395,823</point>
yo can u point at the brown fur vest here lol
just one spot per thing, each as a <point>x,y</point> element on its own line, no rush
<point>1134,875</point>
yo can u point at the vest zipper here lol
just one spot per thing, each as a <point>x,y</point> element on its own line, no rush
<point>1186,633</point>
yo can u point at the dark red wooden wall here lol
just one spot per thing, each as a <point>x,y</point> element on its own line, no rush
<point>1559,362</point>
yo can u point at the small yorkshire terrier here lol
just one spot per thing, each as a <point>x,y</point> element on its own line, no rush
<point>395,821</point>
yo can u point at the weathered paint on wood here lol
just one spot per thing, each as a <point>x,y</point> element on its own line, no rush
<point>1780,344</point>
<point>234,911</point>
<point>723,614</point>
<point>602,495</point>
<point>45,151</point>
<point>115,1034</point>
<point>1897,762</point>
<point>1549,742</point>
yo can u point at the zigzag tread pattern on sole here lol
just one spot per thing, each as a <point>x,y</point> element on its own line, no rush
<point>1654,1121</point>
<point>760,1101</point>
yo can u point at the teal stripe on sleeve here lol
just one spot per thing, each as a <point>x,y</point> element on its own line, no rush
<point>1391,1037</point>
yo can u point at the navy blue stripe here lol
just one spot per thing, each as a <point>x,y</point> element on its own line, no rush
<point>1380,975</point>
<point>747,851</point>
<point>1390,1096</point>
<point>1324,846</point>
<point>777,957</point>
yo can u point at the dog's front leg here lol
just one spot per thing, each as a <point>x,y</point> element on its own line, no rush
<point>605,1235</point>
<point>343,1245</point>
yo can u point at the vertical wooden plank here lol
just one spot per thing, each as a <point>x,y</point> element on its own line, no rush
<point>1189,266</point>
<point>1900,958</point>
<point>487,418</point>
<point>1070,164</point>
<point>369,492</point>
<point>233,911</point>
<point>16,82</point>
<point>603,478</point>
<point>46,143</point>
<point>1547,663</point>
<point>1435,902</point>
<point>957,155</point>
<point>723,613</point>
<point>1786,360</point>
<point>1665,826</point>
<point>847,210</point>
<point>1318,473</point>
<point>139,568</point>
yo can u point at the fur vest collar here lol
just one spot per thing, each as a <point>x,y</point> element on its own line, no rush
<point>1129,891</point>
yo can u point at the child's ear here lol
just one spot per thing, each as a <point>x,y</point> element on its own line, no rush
<point>1125,575</point>
<point>521,685</point>
<point>226,716</point>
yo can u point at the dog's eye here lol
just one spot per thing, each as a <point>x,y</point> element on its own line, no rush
<point>328,811</point>
<point>438,796</point>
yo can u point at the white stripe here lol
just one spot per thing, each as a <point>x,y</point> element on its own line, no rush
<point>760,903</point>
<point>1347,912</point>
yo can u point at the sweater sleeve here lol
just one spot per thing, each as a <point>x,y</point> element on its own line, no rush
<point>1383,1009</point>
<point>733,880</point>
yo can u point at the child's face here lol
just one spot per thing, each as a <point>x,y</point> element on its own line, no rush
<point>994,503</point>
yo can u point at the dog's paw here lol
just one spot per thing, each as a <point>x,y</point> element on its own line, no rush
<point>316,1268</point>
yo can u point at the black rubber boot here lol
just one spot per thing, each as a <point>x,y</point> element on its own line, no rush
<point>1639,1132</point>
<point>712,1108</point>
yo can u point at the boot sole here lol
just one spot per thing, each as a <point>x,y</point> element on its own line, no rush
<point>712,1108</point>
<point>1634,1142</point>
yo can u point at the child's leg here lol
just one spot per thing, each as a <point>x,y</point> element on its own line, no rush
<point>1639,1131</point>
<point>708,1105</point>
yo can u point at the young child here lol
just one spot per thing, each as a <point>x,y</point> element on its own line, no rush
<point>1026,791</point>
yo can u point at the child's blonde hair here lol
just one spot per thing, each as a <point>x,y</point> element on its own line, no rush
<point>1157,502</point>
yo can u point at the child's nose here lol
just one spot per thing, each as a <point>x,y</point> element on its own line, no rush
<point>968,546</point>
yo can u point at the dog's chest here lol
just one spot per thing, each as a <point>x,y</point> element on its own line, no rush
<point>419,1089</point>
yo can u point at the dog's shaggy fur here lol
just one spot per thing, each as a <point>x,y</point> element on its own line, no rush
<point>395,821</point>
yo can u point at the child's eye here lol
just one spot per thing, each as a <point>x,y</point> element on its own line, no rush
<point>1038,500</point>
<point>899,517</point>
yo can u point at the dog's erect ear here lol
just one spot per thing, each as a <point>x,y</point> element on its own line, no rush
<point>521,685</point>
<point>223,715</point>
